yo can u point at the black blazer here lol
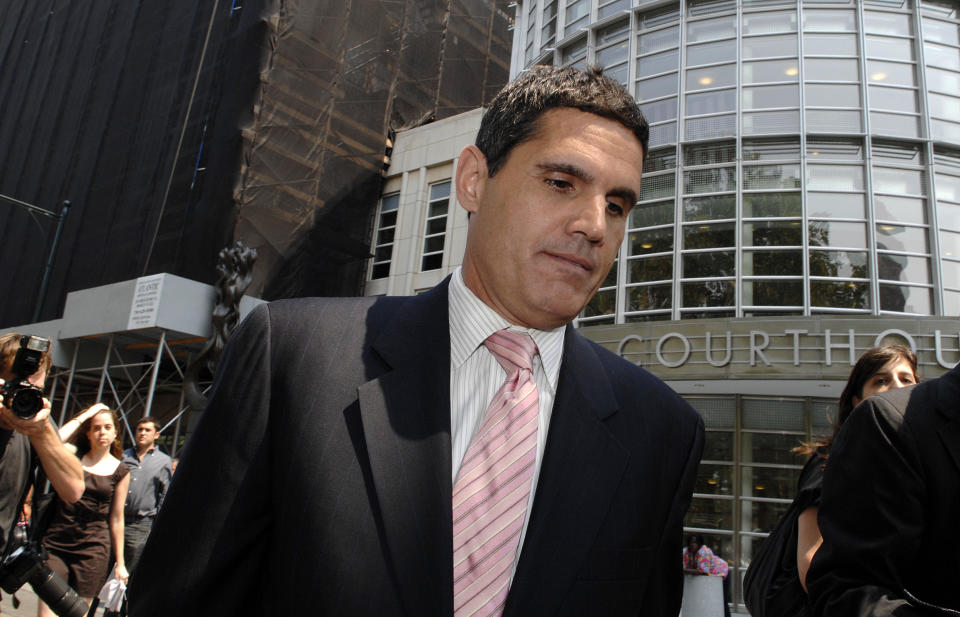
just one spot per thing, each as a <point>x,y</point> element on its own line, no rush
<point>891,507</point>
<point>318,479</point>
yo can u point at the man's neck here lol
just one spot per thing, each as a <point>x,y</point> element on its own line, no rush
<point>141,451</point>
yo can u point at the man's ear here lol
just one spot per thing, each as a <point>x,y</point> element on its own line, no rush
<point>471,178</point>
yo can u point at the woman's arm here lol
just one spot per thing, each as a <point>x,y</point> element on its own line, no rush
<point>808,541</point>
<point>116,525</point>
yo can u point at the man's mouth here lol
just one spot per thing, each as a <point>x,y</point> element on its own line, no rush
<point>576,260</point>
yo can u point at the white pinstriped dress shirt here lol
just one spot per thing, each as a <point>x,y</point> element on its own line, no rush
<point>475,375</point>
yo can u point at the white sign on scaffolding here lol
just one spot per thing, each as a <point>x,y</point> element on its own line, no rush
<point>146,302</point>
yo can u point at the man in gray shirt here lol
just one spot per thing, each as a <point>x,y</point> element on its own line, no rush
<point>150,473</point>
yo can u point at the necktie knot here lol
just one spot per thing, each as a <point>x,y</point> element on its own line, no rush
<point>513,350</point>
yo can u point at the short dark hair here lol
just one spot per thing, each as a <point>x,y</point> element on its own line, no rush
<point>151,419</point>
<point>9,345</point>
<point>513,115</point>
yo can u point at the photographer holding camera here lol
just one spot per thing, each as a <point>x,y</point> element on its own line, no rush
<point>25,439</point>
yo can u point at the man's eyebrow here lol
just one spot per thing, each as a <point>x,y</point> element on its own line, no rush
<point>627,194</point>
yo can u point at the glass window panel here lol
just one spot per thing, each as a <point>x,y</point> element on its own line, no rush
<point>650,269</point>
<point>710,127</point>
<point>764,23</point>
<point>577,9</point>
<point>771,149</point>
<point>709,29</point>
<point>714,479</point>
<point>772,263</point>
<point>904,268</point>
<point>575,51</point>
<point>660,111</point>
<point>707,513</point>
<point>433,244</point>
<point>765,97</point>
<point>899,238</point>
<point>650,297</point>
<point>710,53</point>
<point>943,81</point>
<point>904,299</point>
<point>832,95</point>
<point>659,40</point>
<point>710,180</point>
<point>758,516</point>
<point>949,244</point>
<point>892,73</point>
<point>708,235</point>
<point>829,233</point>
<point>902,181</point>
<point>649,215</point>
<point>843,294</point>
<point>657,63</point>
<point>614,54</point>
<point>711,102</point>
<point>770,46</point>
<point>834,177</point>
<point>388,204</point>
<point>941,32</point>
<point>604,302</point>
<point>711,207</point>
<point>941,56</point>
<point>949,217</point>
<point>951,303</point>
<point>834,121</point>
<point>716,413</point>
<point>894,124</point>
<point>712,77</point>
<point>697,8</point>
<point>385,236</point>
<point>657,187</point>
<point>943,106</point>
<point>901,209</point>
<point>763,71</point>
<point>380,271</point>
<point>613,32</point>
<point>441,190</point>
<point>951,272</point>
<point>896,99</point>
<point>438,208</point>
<point>714,263</point>
<point>658,86</point>
<point>659,17</point>
<point>831,69</point>
<point>771,447</point>
<point>659,160</point>
<point>897,152</point>
<point>836,205</point>
<point>661,134</point>
<point>771,122</point>
<point>718,445</point>
<point>771,482</point>
<point>948,187</point>
<point>889,47</point>
<point>710,154</point>
<point>835,149</point>
<point>876,22</point>
<point>382,253</point>
<point>708,293</point>
<point>763,205</point>
<point>388,219</point>
<point>773,415</point>
<point>771,177</point>
<point>826,20</point>
<point>436,226</point>
<point>830,44</point>
<point>948,131</point>
<point>619,74</point>
<point>773,293</point>
<point>839,264</point>
<point>773,233</point>
<point>651,241</point>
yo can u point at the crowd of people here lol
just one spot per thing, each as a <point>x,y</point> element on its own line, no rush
<point>467,451</point>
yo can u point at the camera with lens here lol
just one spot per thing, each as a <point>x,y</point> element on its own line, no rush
<point>19,395</point>
<point>27,564</point>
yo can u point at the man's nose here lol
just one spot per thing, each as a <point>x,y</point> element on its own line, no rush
<point>590,218</point>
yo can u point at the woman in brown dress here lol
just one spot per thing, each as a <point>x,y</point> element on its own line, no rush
<point>80,535</point>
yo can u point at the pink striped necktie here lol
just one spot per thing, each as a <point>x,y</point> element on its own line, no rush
<point>493,485</point>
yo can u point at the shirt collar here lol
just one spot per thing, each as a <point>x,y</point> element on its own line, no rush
<point>472,321</point>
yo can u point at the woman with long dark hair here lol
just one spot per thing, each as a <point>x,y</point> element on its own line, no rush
<point>80,535</point>
<point>777,586</point>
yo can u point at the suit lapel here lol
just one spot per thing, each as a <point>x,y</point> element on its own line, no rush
<point>581,470</point>
<point>948,401</point>
<point>406,423</point>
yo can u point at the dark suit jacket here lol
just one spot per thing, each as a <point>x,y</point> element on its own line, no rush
<point>891,506</point>
<point>318,479</point>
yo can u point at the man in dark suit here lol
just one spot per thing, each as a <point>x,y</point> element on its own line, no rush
<point>322,476</point>
<point>891,504</point>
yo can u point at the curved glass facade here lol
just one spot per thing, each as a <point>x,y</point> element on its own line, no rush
<point>804,156</point>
